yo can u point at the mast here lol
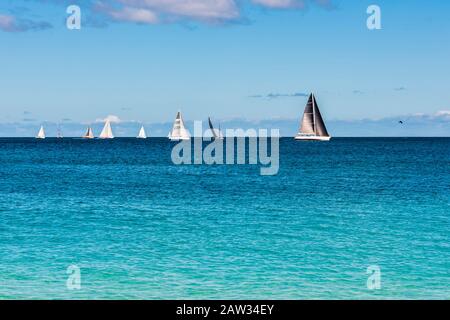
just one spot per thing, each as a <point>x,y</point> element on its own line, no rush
<point>314,114</point>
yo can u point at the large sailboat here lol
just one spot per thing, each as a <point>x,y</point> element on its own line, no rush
<point>142,134</point>
<point>216,134</point>
<point>179,131</point>
<point>41,133</point>
<point>312,126</point>
<point>107,131</point>
<point>89,134</point>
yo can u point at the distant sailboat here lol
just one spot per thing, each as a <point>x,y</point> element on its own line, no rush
<point>216,134</point>
<point>142,134</point>
<point>107,131</point>
<point>41,133</point>
<point>179,131</point>
<point>59,133</point>
<point>312,126</point>
<point>89,134</point>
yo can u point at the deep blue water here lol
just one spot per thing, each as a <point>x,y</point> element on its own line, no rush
<point>140,227</point>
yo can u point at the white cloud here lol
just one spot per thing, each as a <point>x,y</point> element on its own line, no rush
<point>153,11</point>
<point>443,113</point>
<point>7,23</point>
<point>10,23</point>
<point>133,15</point>
<point>292,4</point>
<point>281,4</point>
<point>110,118</point>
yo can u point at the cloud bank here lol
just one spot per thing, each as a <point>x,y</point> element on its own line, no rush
<point>280,95</point>
<point>156,11</point>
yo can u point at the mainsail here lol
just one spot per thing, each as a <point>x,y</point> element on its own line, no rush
<point>179,131</point>
<point>89,134</point>
<point>142,134</point>
<point>107,131</point>
<point>312,124</point>
<point>41,133</point>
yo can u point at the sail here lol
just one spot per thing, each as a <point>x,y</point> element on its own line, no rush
<point>307,125</point>
<point>89,134</point>
<point>320,127</point>
<point>41,133</point>
<point>107,131</point>
<point>142,134</point>
<point>179,131</point>
<point>211,127</point>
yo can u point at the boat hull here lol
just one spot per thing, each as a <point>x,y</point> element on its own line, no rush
<point>179,139</point>
<point>312,138</point>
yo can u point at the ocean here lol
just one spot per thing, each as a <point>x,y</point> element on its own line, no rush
<point>136,226</point>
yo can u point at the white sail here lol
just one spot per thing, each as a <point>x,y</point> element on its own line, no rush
<point>107,131</point>
<point>41,133</point>
<point>142,134</point>
<point>179,131</point>
<point>89,134</point>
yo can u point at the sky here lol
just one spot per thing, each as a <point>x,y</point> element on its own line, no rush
<point>141,61</point>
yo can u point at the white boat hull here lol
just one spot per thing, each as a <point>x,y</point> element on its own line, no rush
<point>312,138</point>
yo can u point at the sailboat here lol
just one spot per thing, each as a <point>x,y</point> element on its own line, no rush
<point>216,134</point>
<point>312,126</point>
<point>107,131</point>
<point>179,131</point>
<point>59,134</point>
<point>142,134</point>
<point>89,134</point>
<point>41,133</point>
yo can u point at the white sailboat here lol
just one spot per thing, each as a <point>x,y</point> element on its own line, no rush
<point>107,131</point>
<point>216,134</point>
<point>142,134</point>
<point>312,126</point>
<point>41,133</point>
<point>89,134</point>
<point>179,131</point>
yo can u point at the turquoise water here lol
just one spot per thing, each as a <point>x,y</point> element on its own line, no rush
<point>140,227</point>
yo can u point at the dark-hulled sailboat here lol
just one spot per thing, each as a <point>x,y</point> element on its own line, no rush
<point>312,126</point>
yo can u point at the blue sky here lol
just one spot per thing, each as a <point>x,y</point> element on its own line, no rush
<point>248,59</point>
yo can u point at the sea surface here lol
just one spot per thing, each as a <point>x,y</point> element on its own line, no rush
<point>139,227</point>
